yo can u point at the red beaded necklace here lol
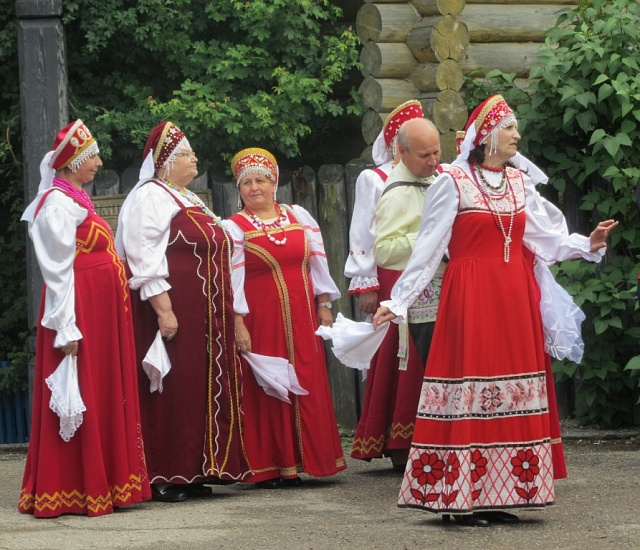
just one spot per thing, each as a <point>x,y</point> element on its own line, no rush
<point>78,195</point>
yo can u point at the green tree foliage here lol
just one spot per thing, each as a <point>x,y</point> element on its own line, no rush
<point>230,73</point>
<point>580,119</point>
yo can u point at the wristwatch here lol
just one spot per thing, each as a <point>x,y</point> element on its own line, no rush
<point>325,304</point>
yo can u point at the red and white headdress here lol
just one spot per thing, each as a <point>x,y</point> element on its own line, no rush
<point>254,161</point>
<point>73,145</point>
<point>383,146</point>
<point>487,119</point>
<point>165,140</point>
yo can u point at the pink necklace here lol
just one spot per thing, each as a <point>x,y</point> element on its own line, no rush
<point>78,195</point>
<point>280,222</point>
<point>497,218</point>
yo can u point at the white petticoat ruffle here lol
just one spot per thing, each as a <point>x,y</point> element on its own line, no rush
<point>66,400</point>
<point>561,318</point>
<point>354,343</point>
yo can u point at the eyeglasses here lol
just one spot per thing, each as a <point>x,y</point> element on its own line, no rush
<point>186,154</point>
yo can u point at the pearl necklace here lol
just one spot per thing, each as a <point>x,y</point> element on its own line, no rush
<point>193,199</point>
<point>79,195</point>
<point>497,218</point>
<point>280,222</point>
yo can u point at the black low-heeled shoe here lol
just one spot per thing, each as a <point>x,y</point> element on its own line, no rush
<point>466,520</point>
<point>269,484</point>
<point>171,493</point>
<point>499,516</point>
<point>291,482</point>
<point>197,490</point>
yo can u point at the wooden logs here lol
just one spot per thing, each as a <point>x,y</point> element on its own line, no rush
<point>431,77</point>
<point>522,23</point>
<point>385,94</point>
<point>515,58</point>
<point>448,151</point>
<point>385,22</point>
<point>435,39</point>
<point>372,122</point>
<point>383,60</point>
<point>449,111</point>
<point>439,7</point>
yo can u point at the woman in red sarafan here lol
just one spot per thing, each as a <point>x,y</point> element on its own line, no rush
<point>179,256</point>
<point>88,459</point>
<point>283,290</point>
<point>487,437</point>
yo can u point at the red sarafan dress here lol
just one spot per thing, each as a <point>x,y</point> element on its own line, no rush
<point>391,397</point>
<point>102,466</point>
<point>485,437</point>
<point>193,429</point>
<point>285,439</point>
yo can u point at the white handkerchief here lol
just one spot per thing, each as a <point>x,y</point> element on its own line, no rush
<point>156,363</point>
<point>275,375</point>
<point>354,343</point>
<point>66,400</point>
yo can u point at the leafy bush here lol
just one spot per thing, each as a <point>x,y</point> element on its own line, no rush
<point>230,73</point>
<point>580,120</point>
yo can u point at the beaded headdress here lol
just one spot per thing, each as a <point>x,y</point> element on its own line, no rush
<point>382,147</point>
<point>73,145</point>
<point>254,160</point>
<point>165,140</point>
<point>492,115</point>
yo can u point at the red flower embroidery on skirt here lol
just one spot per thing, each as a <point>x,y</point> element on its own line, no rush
<point>452,469</point>
<point>478,465</point>
<point>427,469</point>
<point>525,465</point>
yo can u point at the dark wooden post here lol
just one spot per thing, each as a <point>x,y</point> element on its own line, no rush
<point>44,110</point>
<point>43,103</point>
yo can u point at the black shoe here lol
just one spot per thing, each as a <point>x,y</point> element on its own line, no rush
<point>269,484</point>
<point>197,490</point>
<point>171,493</point>
<point>466,520</point>
<point>291,482</point>
<point>499,517</point>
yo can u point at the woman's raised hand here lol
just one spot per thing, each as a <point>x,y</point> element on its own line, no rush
<point>599,235</point>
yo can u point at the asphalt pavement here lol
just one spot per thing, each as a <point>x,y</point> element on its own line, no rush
<point>597,507</point>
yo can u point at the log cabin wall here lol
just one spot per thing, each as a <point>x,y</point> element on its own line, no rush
<point>423,49</point>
